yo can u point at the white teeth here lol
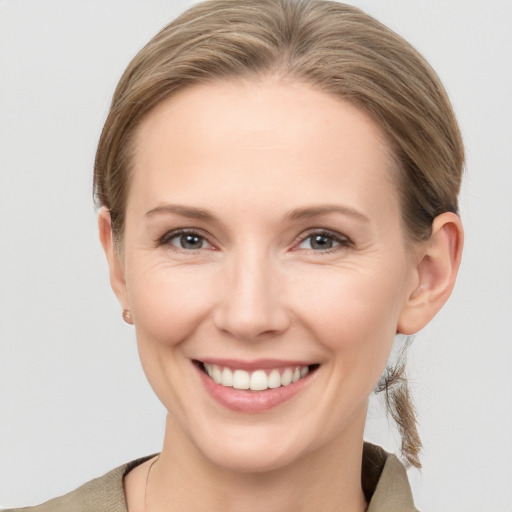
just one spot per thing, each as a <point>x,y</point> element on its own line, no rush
<point>227,377</point>
<point>274,379</point>
<point>286,378</point>
<point>216,374</point>
<point>258,380</point>
<point>241,379</point>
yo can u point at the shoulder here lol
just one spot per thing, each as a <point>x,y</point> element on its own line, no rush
<point>385,482</point>
<point>103,494</point>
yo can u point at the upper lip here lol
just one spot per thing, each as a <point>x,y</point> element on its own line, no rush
<point>257,364</point>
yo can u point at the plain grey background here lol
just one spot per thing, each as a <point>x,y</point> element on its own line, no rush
<point>74,402</point>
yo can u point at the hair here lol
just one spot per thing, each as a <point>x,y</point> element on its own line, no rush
<point>331,46</point>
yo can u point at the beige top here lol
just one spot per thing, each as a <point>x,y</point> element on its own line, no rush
<point>384,482</point>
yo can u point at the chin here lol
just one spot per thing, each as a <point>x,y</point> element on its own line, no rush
<point>255,449</point>
<point>250,459</point>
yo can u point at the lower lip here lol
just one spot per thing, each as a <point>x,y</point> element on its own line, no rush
<point>241,400</point>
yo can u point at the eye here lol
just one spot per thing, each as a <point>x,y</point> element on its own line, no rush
<point>323,241</point>
<point>187,240</point>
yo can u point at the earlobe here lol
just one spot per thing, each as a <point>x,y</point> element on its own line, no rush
<point>438,262</point>
<point>116,268</point>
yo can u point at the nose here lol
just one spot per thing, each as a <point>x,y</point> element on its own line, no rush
<point>252,299</point>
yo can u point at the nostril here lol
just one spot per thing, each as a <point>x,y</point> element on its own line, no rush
<point>251,323</point>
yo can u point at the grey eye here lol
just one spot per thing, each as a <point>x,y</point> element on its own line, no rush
<point>324,241</point>
<point>188,241</point>
<point>319,242</point>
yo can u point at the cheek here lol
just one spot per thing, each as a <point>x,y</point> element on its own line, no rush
<point>168,303</point>
<point>353,315</point>
<point>353,312</point>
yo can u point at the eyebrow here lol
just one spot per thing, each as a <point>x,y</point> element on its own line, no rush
<point>184,211</point>
<point>192,212</point>
<point>317,211</point>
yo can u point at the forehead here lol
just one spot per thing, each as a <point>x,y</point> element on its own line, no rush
<point>252,139</point>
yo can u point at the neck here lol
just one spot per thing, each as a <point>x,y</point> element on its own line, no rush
<point>327,479</point>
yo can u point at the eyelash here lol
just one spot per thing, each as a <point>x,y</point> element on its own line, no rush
<point>343,241</point>
<point>166,239</point>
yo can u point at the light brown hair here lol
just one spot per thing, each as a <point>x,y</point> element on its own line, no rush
<point>333,47</point>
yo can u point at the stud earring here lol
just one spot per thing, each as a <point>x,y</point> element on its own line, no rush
<point>127,316</point>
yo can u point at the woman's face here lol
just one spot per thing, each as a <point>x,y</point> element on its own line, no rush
<point>263,244</point>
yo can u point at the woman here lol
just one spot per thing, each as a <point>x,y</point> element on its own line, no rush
<point>277,184</point>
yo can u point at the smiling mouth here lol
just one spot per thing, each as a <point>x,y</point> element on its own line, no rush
<point>257,380</point>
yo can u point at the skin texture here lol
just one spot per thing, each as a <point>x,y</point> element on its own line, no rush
<point>251,154</point>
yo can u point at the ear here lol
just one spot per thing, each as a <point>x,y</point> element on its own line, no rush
<point>438,261</point>
<point>115,264</point>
